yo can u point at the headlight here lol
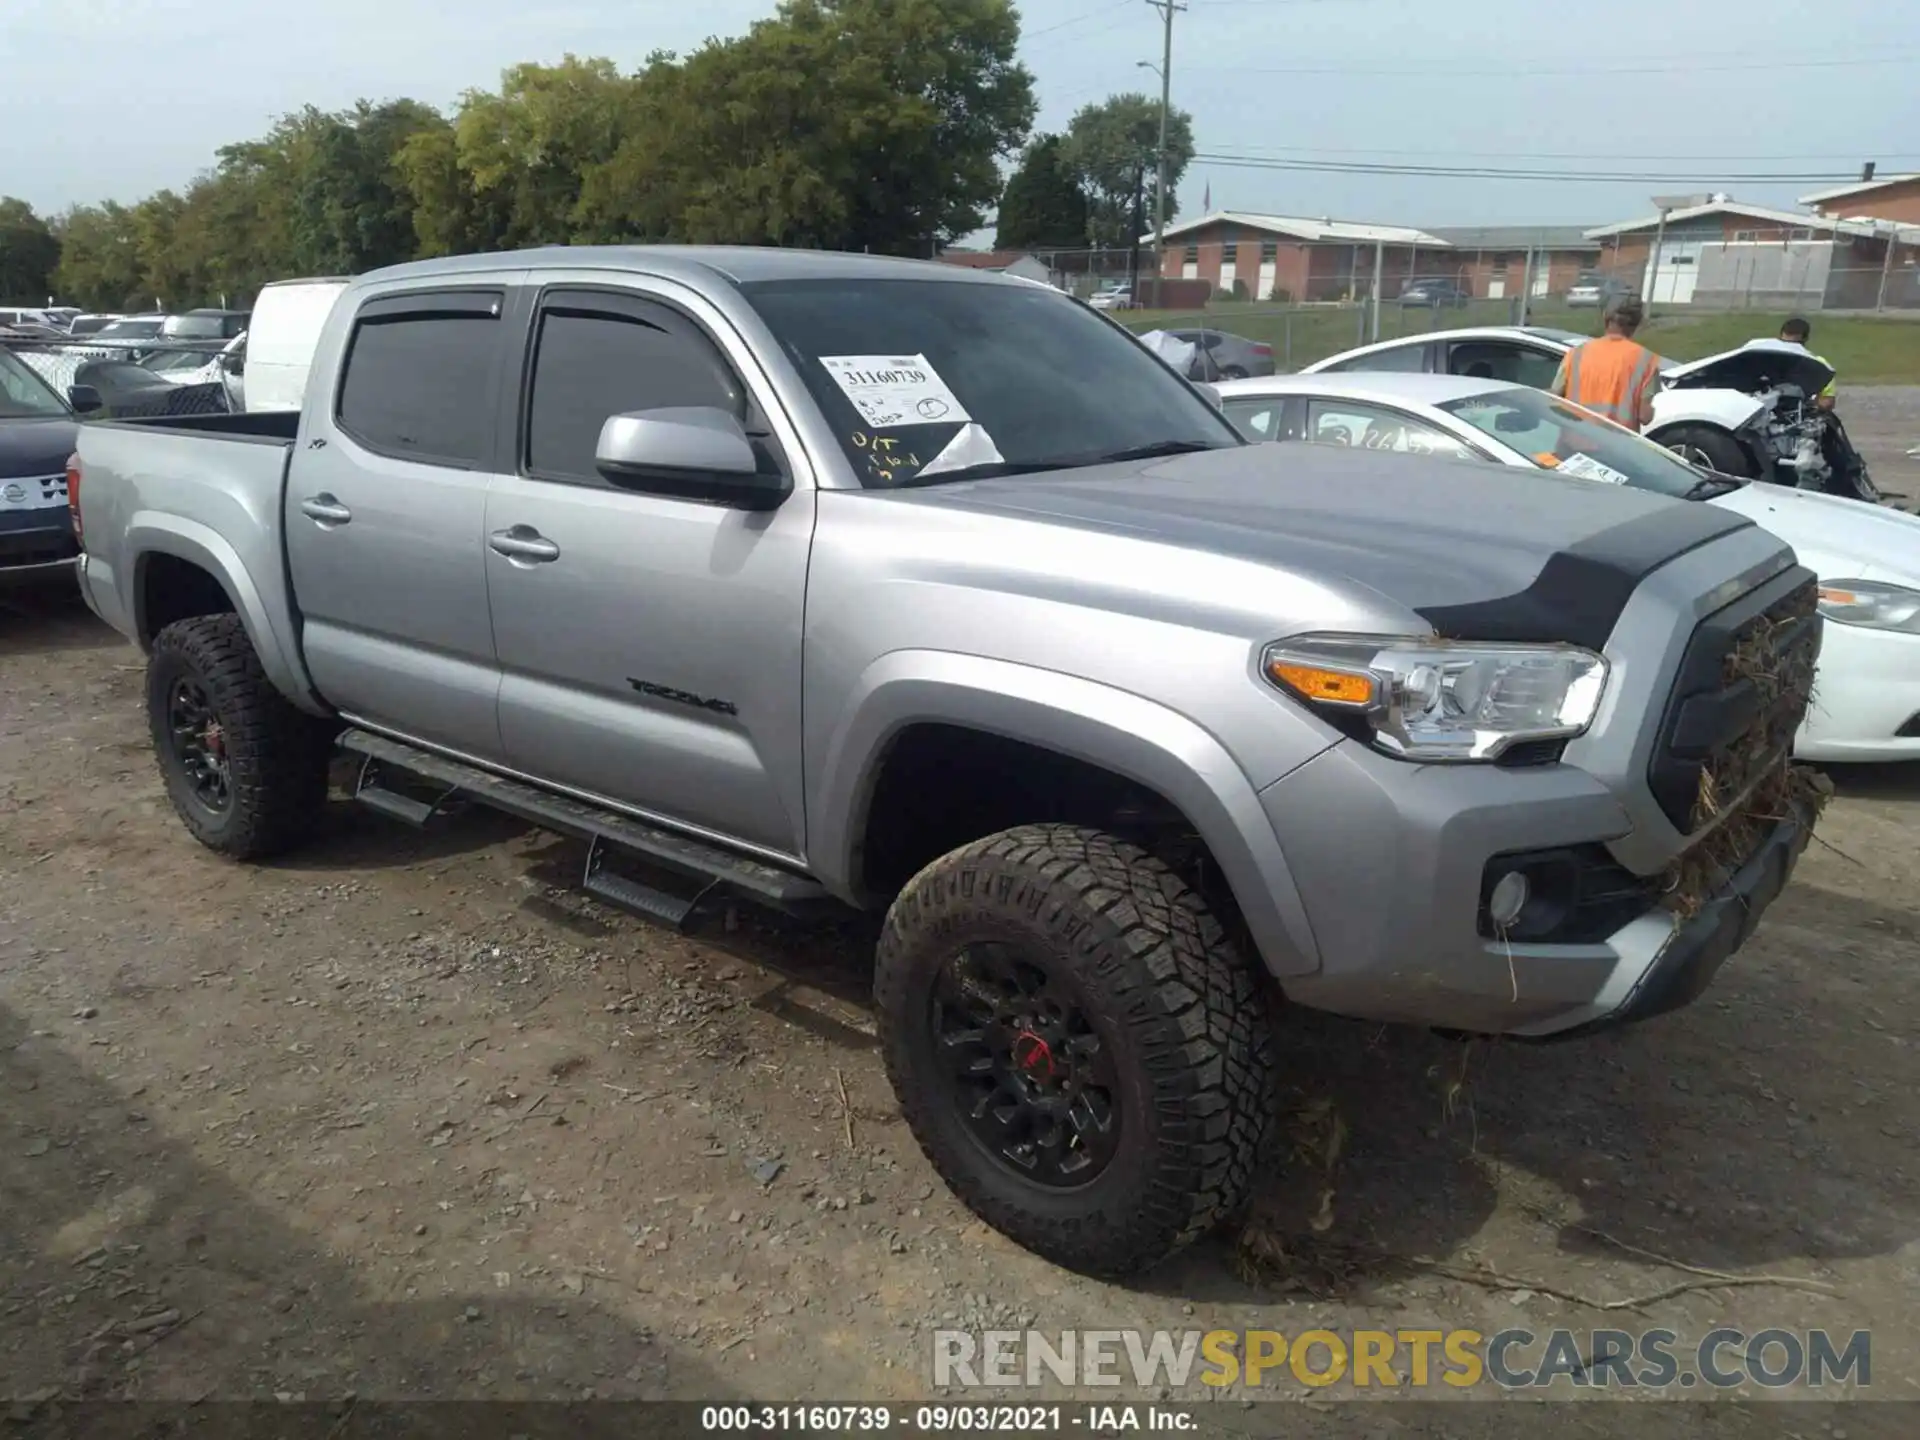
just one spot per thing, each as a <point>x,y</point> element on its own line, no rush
<point>1872,604</point>
<point>1442,699</point>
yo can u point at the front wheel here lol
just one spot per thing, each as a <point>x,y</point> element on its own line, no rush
<point>1710,449</point>
<point>1076,1046</point>
<point>245,770</point>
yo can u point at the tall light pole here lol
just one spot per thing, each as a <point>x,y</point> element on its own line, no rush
<point>1165,68</point>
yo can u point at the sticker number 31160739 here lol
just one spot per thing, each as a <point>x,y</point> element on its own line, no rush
<point>894,390</point>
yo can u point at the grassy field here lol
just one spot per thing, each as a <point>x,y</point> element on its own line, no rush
<point>1864,349</point>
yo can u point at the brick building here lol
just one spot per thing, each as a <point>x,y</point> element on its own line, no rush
<point>1724,251</point>
<point>1497,262</point>
<point>1896,197</point>
<point>1293,258</point>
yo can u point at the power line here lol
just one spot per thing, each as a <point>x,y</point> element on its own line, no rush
<point>1077,19</point>
<point>1442,72</point>
<point>1490,172</point>
<point>1289,151</point>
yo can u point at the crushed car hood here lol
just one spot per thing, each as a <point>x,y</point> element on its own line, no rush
<point>1757,366</point>
<point>1479,551</point>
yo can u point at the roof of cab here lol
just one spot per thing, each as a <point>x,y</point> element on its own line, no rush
<point>739,264</point>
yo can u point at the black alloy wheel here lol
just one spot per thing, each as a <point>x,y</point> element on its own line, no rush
<point>1026,1070</point>
<point>198,745</point>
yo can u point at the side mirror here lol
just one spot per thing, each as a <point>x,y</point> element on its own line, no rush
<point>1211,392</point>
<point>85,399</point>
<point>697,451</point>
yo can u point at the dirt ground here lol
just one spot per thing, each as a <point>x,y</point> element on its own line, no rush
<point>408,1116</point>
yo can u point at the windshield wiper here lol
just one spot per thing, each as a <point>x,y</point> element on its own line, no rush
<point>1709,486</point>
<point>993,469</point>
<point>1153,451</point>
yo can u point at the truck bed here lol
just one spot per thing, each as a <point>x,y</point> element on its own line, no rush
<point>203,489</point>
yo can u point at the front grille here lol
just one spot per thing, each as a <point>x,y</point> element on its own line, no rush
<point>35,490</point>
<point>1743,689</point>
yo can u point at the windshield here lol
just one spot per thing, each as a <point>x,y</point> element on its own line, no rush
<point>931,380</point>
<point>135,328</point>
<point>1562,437</point>
<point>177,360</point>
<point>23,395</point>
<point>195,327</point>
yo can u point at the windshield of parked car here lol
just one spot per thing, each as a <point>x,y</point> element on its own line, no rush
<point>1571,441</point>
<point>23,394</point>
<point>926,381</point>
<point>132,329</point>
<point>195,327</point>
<point>178,360</point>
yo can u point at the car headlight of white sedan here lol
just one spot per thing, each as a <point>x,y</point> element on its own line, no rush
<point>1872,604</point>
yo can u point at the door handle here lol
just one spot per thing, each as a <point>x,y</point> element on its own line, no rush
<point>324,508</point>
<point>523,543</point>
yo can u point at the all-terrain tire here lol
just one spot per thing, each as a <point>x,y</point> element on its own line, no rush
<point>1703,445</point>
<point>1179,1010</point>
<point>276,755</point>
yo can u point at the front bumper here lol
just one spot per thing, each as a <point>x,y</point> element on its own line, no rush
<point>36,542</point>
<point>1866,694</point>
<point>1389,860</point>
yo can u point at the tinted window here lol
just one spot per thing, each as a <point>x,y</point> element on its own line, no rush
<point>1263,419</point>
<point>1371,427</point>
<point>418,383</point>
<point>592,364</point>
<point>22,394</point>
<point>1399,357</point>
<point>1039,382</point>
<point>1493,360</point>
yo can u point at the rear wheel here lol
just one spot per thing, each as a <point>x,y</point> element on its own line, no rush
<point>245,770</point>
<point>1078,1049</point>
<point>1709,449</point>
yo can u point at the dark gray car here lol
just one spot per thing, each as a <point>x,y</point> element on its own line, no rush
<point>1220,356</point>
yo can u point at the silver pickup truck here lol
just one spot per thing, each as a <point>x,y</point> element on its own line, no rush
<point>815,579</point>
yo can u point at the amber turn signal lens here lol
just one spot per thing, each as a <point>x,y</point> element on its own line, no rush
<point>1312,682</point>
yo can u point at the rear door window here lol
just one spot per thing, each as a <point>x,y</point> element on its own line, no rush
<point>1408,358</point>
<point>419,375</point>
<point>1502,360</point>
<point>1374,427</point>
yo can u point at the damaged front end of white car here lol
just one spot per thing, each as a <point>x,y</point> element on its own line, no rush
<point>1753,412</point>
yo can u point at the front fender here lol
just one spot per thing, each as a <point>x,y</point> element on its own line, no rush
<point>1121,732</point>
<point>270,630</point>
<point>1728,410</point>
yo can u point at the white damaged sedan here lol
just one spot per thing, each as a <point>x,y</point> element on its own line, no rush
<point>1867,697</point>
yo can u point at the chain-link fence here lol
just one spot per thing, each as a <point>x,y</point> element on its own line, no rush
<point>115,379</point>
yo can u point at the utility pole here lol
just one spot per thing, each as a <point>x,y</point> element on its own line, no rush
<point>1886,265</point>
<point>1166,9</point>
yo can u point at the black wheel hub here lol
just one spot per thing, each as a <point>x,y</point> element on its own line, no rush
<point>199,744</point>
<point>1024,1068</point>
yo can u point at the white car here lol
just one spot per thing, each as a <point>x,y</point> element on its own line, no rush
<point>1739,412</point>
<point>1867,695</point>
<point>1112,297</point>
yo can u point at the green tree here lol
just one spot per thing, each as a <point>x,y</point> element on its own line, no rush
<point>1114,147</point>
<point>99,258</point>
<point>842,124</point>
<point>29,253</point>
<point>1043,206</point>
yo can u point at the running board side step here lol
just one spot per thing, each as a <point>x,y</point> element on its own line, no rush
<point>609,835</point>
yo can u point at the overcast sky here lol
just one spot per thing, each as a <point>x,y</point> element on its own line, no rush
<point>116,98</point>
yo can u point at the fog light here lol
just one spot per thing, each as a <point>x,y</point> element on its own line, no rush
<point>1508,899</point>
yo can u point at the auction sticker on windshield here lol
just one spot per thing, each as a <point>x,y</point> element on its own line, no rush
<point>1588,468</point>
<point>894,390</point>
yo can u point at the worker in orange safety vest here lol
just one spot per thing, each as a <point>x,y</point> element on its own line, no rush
<point>1613,376</point>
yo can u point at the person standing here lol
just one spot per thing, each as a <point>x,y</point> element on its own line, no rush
<point>1613,375</point>
<point>1798,331</point>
